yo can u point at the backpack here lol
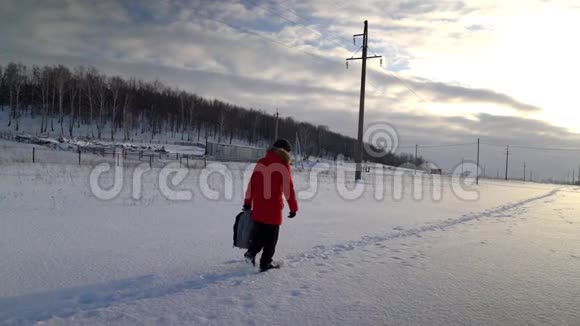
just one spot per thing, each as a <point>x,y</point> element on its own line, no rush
<point>243,229</point>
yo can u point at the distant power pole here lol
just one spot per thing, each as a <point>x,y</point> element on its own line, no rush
<point>276,127</point>
<point>361,112</point>
<point>578,174</point>
<point>507,156</point>
<point>416,154</point>
<point>524,171</point>
<point>573,176</point>
<point>477,172</point>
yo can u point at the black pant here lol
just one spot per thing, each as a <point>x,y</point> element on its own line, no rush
<point>264,236</point>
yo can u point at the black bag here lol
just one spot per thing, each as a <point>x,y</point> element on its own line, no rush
<point>243,229</point>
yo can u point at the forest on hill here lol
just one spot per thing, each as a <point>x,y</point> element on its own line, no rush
<point>83,103</point>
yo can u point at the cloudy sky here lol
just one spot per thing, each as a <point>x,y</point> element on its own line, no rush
<point>452,71</point>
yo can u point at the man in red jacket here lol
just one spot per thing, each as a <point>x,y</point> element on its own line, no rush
<point>272,178</point>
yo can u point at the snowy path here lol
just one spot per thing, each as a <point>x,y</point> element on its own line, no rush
<point>475,268</point>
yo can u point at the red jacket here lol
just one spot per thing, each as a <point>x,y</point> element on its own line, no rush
<point>272,178</point>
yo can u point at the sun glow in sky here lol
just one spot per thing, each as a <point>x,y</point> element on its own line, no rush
<point>527,51</point>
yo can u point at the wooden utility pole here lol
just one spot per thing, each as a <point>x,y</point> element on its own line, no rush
<point>416,155</point>
<point>507,156</point>
<point>361,113</point>
<point>477,172</point>
<point>276,127</point>
<point>524,171</point>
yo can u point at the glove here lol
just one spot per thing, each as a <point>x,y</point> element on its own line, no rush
<point>292,214</point>
<point>247,207</point>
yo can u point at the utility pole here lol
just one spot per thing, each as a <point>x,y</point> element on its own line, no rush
<point>507,155</point>
<point>531,177</point>
<point>361,113</point>
<point>477,172</point>
<point>462,160</point>
<point>276,127</point>
<point>573,176</point>
<point>416,153</point>
<point>524,171</point>
<point>578,174</point>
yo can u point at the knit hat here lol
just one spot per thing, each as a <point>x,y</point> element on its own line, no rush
<point>284,144</point>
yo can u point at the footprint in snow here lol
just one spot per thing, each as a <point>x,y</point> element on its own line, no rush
<point>296,293</point>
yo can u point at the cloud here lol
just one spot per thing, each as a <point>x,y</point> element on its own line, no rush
<point>443,92</point>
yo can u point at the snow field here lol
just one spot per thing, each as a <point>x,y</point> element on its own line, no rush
<point>70,258</point>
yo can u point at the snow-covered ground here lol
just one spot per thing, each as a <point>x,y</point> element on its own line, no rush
<point>511,256</point>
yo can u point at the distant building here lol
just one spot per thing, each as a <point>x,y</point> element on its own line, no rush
<point>431,168</point>
<point>226,152</point>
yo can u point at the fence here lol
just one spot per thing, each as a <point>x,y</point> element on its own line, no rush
<point>91,156</point>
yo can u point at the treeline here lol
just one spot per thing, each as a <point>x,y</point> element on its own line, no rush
<point>81,102</point>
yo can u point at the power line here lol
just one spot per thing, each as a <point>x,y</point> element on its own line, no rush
<point>537,148</point>
<point>405,84</point>
<point>438,146</point>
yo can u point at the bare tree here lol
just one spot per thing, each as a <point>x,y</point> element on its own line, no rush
<point>73,92</point>
<point>62,76</point>
<point>16,78</point>
<point>192,113</point>
<point>80,75</point>
<point>37,81</point>
<point>127,116</point>
<point>183,102</point>
<point>101,90</point>
<point>91,81</point>
<point>2,84</point>
<point>115,85</point>
<point>11,76</point>
<point>45,78</point>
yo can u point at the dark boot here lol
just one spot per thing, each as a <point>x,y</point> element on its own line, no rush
<point>250,259</point>
<point>269,267</point>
